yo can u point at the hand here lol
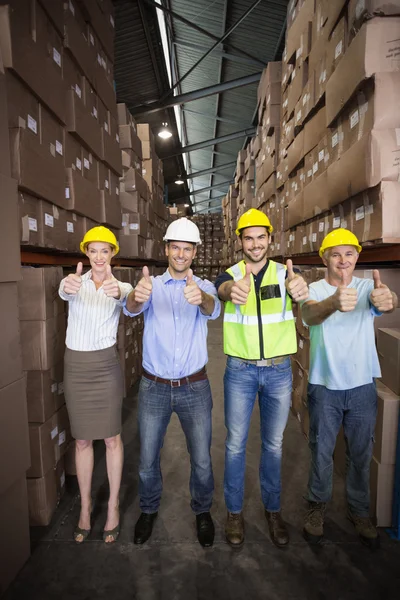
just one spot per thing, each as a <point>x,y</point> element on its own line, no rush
<point>110,285</point>
<point>381,296</point>
<point>142,291</point>
<point>241,288</point>
<point>345,299</point>
<point>192,292</point>
<point>296,286</point>
<point>73,282</point>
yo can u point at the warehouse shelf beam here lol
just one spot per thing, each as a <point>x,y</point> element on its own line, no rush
<point>197,94</point>
<point>218,53</point>
<point>68,259</point>
<point>208,200</point>
<point>190,111</point>
<point>371,254</point>
<point>218,41</point>
<point>217,140</point>
<point>207,171</point>
<point>205,32</point>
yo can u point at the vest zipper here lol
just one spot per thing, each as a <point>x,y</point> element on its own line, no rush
<point>260,329</point>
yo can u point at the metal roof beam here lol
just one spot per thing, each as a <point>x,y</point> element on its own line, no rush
<point>219,53</point>
<point>196,192</point>
<point>219,140</point>
<point>208,200</point>
<point>219,40</point>
<point>199,29</point>
<point>212,117</point>
<point>211,170</point>
<point>197,94</point>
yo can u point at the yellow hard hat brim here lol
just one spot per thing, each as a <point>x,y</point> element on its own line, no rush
<point>83,246</point>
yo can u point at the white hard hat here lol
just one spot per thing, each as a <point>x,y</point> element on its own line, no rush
<point>183,230</point>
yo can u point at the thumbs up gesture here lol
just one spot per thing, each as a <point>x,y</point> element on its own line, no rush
<point>345,298</point>
<point>381,296</point>
<point>144,288</point>
<point>296,286</point>
<point>241,288</point>
<point>73,282</point>
<point>192,292</point>
<point>110,285</point>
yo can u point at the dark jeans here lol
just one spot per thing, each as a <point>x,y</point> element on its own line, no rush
<point>193,404</point>
<point>355,409</point>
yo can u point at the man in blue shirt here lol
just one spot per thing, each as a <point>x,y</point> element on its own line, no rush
<point>176,307</point>
<point>344,363</point>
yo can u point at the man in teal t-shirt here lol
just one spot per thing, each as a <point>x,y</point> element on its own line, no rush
<point>340,312</point>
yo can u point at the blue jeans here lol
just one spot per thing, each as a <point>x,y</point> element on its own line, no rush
<point>242,382</point>
<point>356,410</point>
<point>193,404</point>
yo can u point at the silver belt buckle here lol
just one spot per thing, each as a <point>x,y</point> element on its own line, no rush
<point>264,363</point>
<point>175,383</point>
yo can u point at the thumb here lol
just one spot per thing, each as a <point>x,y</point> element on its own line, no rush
<point>290,272</point>
<point>343,277</point>
<point>146,273</point>
<point>248,273</point>
<point>108,272</point>
<point>189,277</point>
<point>377,279</point>
<point>79,268</point>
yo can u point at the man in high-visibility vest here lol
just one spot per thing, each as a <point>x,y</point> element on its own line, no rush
<point>259,337</point>
<point>344,363</point>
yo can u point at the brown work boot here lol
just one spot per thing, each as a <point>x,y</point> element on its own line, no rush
<point>277,529</point>
<point>365,529</point>
<point>313,530</point>
<point>234,529</point>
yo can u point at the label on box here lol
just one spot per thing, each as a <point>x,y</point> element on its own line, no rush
<point>309,173</point>
<point>99,59</point>
<point>124,223</point>
<point>32,124</point>
<point>299,52</point>
<point>48,220</point>
<point>86,164</point>
<point>322,77</point>
<point>94,112</point>
<point>56,212</point>
<point>62,479</point>
<point>339,49</point>
<point>321,155</point>
<point>106,184</point>
<point>314,237</point>
<point>78,91</point>
<point>134,226</point>
<point>52,149</point>
<point>79,164</point>
<point>54,432</point>
<point>67,194</point>
<point>117,191</point>
<point>61,388</point>
<point>117,137</point>
<point>369,209</point>
<point>70,227</point>
<point>360,213</point>
<point>71,7</point>
<point>315,168</point>
<point>126,355</point>
<point>57,57</point>
<point>304,240</point>
<point>105,126</point>
<point>293,74</point>
<point>74,217</point>
<point>335,139</point>
<point>112,21</point>
<point>301,344</point>
<point>53,388</point>
<point>354,119</point>
<point>360,7</point>
<point>59,148</point>
<point>298,116</point>
<point>61,438</point>
<point>343,224</point>
<point>336,222</point>
<point>321,226</point>
<point>91,39</point>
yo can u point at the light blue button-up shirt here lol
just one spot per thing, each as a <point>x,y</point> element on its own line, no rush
<point>175,332</point>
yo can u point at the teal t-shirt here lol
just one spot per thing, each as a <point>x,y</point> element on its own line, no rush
<point>342,350</point>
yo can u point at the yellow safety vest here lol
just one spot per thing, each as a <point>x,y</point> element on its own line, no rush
<point>264,327</point>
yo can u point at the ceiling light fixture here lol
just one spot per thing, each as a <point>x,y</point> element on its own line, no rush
<point>179,182</point>
<point>165,133</point>
<point>186,205</point>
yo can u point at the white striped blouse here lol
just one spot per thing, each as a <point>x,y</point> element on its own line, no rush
<point>92,316</point>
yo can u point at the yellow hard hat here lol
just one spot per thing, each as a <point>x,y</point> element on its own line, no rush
<point>253,218</point>
<point>99,234</point>
<point>339,237</point>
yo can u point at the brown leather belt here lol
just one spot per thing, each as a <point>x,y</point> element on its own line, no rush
<point>199,376</point>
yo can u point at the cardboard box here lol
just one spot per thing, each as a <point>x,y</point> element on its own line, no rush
<point>10,364</point>
<point>372,51</point>
<point>381,162</point>
<point>75,229</point>
<point>298,82</point>
<point>129,140</point>
<point>82,195</point>
<point>48,442</point>
<point>103,75</point>
<point>54,10</point>
<point>375,213</point>
<point>316,197</point>
<point>133,182</point>
<point>43,343</point>
<point>299,25</point>
<point>38,297</point>
<point>83,124</point>
<point>386,424</point>
<point>135,223</point>
<point>29,220</point>
<point>295,152</point>
<point>358,12</point>
<point>102,23</point>
<point>38,63</point>
<point>337,46</point>
<point>76,39</point>
<point>44,495</point>
<point>131,160</point>
<point>389,356</point>
<point>381,489</point>
<point>14,524</point>
<point>53,226</point>
<point>132,246</point>
<point>111,152</point>
<point>45,393</point>
<point>5,166</point>
<point>9,247</point>
<point>295,214</point>
<point>124,116</point>
<point>14,438</point>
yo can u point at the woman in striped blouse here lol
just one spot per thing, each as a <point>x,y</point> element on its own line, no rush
<point>93,381</point>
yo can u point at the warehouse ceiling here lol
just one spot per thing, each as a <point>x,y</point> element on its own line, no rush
<point>168,57</point>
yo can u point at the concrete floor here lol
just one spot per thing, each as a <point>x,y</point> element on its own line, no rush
<point>173,566</point>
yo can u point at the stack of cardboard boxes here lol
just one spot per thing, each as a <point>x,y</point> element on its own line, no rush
<point>14,435</point>
<point>145,215</point>
<point>42,322</point>
<point>62,117</point>
<point>207,263</point>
